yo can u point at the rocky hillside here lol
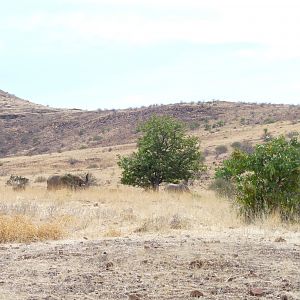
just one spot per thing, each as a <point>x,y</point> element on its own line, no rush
<point>27,128</point>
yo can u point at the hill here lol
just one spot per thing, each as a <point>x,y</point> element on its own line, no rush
<point>27,128</point>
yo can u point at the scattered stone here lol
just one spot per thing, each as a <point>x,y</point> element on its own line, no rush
<point>196,294</point>
<point>280,240</point>
<point>284,297</point>
<point>134,297</point>
<point>109,265</point>
<point>196,264</point>
<point>258,292</point>
<point>60,252</point>
<point>231,278</point>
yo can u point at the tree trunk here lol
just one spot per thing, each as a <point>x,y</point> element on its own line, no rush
<point>155,185</point>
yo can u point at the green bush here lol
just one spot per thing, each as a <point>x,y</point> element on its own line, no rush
<point>194,125</point>
<point>266,181</point>
<point>269,121</point>
<point>207,127</point>
<point>97,138</point>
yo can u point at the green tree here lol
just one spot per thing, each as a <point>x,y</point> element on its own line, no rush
<point>165,154</point>
<point>267,180</point>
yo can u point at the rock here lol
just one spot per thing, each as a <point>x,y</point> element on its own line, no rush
<point>284,297</point>
<point>231,278</point>
<point>280,240</point>
<point>196,294</point>
<point>258,292</point>
<point>196,264</point>
<point>109,265</point>
<point>134,297</point>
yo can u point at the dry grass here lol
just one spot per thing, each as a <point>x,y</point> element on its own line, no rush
<point>113,212</point>
<point>21,229</point>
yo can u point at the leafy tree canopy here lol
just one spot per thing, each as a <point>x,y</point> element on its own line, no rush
<point>165,154</point>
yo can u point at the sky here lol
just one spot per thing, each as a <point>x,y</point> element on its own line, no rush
<point>94,54</point>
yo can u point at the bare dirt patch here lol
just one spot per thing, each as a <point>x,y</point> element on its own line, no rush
<point>153,267</point>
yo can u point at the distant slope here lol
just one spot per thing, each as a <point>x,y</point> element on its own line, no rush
<point>27,128</point>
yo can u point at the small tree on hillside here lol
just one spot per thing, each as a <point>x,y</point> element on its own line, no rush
<point>267,180</point>
<point>165,154</point>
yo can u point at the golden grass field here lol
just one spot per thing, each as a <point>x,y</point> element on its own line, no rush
<point>110,208</point>
<point>37,214</point>
<point>52,241</point>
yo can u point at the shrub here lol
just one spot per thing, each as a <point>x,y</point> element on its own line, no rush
<point>236,145</point>
<point>92,166</point>
<point>269,121</point>
<point>194,126</point>
<point>223,188</point>
<point>17,182</point>
<point>292,134</point>
<point>221,149</point>
<point>266,181</point>
<point>21,229</point>
<point>242,121</point>
<point>73,161</point>
<point>244,146</point>
<point>267,136</point>
<point>220,123</point>
<point>97,138</point>
<point>207,127</point>
<point>40,179</point>
<point>247,147</point>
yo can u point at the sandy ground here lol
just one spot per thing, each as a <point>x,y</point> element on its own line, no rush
<point>218,265</point>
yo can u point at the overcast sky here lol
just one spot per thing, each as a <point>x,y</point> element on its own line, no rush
<point>123,53</point>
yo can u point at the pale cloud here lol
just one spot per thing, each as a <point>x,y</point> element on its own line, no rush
<point>275,25</point>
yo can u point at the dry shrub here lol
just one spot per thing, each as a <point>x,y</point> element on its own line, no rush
<point>178,222</point>
<point>112,232</point>
<point>128,215</point>
<point>161,223</point>
<point>21,229</point>
<point>49,231</point>
<point>40,179</point>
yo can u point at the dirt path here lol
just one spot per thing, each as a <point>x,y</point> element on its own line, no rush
<point>151,268</point>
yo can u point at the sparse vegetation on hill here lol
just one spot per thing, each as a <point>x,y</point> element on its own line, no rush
<point>29,129</point>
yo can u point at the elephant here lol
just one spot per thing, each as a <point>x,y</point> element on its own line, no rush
<point>67,181</point>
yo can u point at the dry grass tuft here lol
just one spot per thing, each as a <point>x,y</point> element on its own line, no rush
<point>163,223</point>
<point>112,232</point>
<point>22,229</point>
